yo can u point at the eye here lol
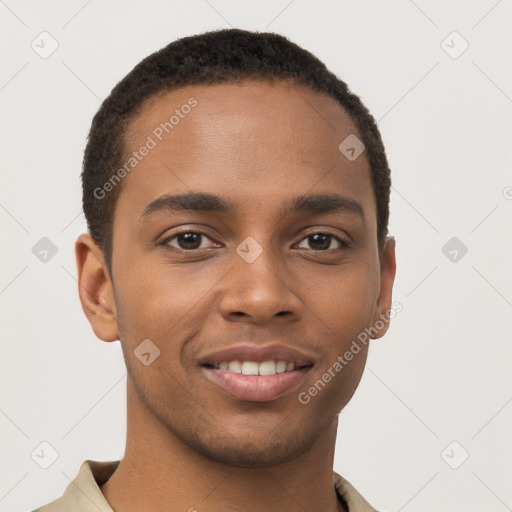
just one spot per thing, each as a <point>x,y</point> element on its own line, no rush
<point>323,242</point>
<point>188,240</point>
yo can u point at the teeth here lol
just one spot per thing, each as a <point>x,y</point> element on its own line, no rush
<point>281,367</point>
<point>267,368</point>
<point>249,368</point>
<point>252,368</point>
<point>235,367</point>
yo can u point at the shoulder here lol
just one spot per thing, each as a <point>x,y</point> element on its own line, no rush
<point>354,500</point>
<point>83,494</point>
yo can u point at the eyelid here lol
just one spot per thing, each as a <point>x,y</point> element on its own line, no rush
<point>170,237</point>
<point>343,243</point>
<point>338,234</point>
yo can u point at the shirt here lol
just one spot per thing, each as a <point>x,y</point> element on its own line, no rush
<point>83,494</point>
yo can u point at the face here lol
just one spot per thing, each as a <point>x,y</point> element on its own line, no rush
<point>273,270</point>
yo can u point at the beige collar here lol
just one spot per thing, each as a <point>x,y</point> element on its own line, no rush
<point>83,494</point>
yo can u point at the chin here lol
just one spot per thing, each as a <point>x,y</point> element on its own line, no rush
<point>250,456</point>
<point>240,452</point>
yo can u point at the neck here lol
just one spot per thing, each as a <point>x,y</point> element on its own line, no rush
<point>160,472</point>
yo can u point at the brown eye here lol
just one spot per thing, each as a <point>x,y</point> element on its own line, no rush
<point>322,242</point>
<point>187,240</point>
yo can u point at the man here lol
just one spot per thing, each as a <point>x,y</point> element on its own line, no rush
<point>236,194</point>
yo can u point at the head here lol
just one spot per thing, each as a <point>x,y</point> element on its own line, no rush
<point>222,210</point>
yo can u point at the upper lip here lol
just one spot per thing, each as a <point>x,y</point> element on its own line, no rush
<point>258,354</point>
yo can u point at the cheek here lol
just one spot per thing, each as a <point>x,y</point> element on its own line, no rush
<point>156,301</point>
<point>334,381</point>
<point>345,301</point>
<point>343,310</point>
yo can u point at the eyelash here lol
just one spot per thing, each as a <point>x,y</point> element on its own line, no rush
<point>343,243</point>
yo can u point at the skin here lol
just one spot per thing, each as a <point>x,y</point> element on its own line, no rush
<point>189,444</point>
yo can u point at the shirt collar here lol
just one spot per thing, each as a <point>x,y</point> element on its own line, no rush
<point>355,502</point>
<point>84,494</point>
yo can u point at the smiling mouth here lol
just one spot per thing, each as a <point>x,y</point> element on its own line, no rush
<point>256,373</point>
<point>270,367</point>
<point>253,381</point>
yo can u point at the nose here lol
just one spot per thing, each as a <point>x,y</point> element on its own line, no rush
<point>259,292</point>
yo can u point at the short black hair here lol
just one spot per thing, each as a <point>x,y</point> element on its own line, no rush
<point>219,56</point>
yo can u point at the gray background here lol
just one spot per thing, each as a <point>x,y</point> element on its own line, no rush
<point>441,374</point>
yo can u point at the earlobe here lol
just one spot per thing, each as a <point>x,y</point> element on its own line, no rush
<point>95,289</point>
<point>387,278</point>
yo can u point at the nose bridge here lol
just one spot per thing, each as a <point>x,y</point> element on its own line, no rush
<point>257,286</point>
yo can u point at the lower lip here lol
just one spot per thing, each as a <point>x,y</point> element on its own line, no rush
<point>256,388</point>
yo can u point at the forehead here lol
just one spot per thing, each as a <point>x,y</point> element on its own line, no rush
<point>280,106</point>
<point>256,141</point>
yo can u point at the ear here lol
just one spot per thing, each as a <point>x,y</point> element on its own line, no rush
<point>95,288</point>
<point>387,278</point>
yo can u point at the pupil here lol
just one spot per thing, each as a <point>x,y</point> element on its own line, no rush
<point>189,240</point>
<point>322,241</point>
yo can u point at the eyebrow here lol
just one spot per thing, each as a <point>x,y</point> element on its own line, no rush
<point>200,201</point>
